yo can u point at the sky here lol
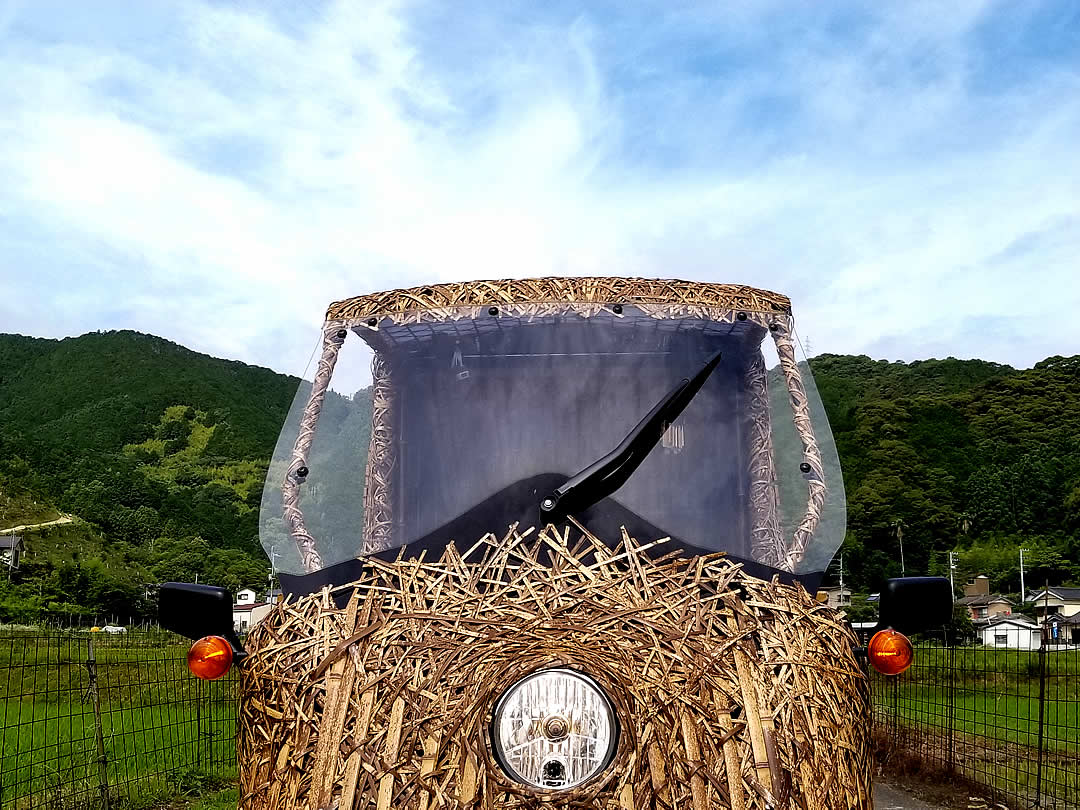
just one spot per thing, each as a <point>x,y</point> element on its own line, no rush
<point>217,172</point>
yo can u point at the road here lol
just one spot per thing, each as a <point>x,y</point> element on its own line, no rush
<point>887,797</point>
<point>60,521</point>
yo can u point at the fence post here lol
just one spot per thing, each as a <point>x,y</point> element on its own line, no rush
<point>210,727</point>
<point>99,738</point>
<point>198,725</point>
<point>950,712</point>
<point>1042,724</point>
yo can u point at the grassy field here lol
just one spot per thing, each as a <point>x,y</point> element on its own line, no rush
<point>1007,717</point>
<point>163,732</point>
<point>979,708</point>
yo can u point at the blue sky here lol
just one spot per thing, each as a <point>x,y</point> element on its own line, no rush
<point>216,172</point>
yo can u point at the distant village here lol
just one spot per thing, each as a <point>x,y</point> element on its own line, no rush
<point>1054,611</point>
<point>996,620</point>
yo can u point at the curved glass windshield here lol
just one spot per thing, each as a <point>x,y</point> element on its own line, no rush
<point>454,427</point>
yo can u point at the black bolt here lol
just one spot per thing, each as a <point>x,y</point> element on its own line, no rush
<point>741,316</point>
<point>805,467</point>
<point>617,309</point>
<point>773,327</point>
<point>301,472</point>
<point>372,321</point>
<point>341,334</point>
<point>493,311</point>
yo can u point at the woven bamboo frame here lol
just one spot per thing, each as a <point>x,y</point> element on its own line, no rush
<point>815,478</point>
<point>731,692</point>
<point>586,297</point>
<point>597,291</point>
<point>381,460</point>
<point>766,540</point>
<point>333,337</point>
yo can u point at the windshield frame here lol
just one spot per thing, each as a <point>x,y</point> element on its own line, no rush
<point>685,301</point>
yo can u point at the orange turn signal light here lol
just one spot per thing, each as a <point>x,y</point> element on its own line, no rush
<point>890,652</point>
<point>210,657</point>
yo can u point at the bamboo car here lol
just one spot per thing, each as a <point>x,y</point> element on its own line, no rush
<point>568,559</point>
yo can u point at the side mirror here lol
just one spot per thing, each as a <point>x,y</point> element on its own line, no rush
<point>196,611</point>
<point>915,604</point>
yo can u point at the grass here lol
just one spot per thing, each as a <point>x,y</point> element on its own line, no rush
<point>21,510</point>
<point>984,705</point>
<point>219,800</point>
<point>164,734</point>
<point>1006,717</point>
<point>168,738</point>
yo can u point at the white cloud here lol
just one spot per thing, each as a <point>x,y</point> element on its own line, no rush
<point>220,185</point>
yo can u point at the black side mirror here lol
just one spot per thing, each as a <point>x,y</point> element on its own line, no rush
<point>196,611</point>
<point>915,604</point>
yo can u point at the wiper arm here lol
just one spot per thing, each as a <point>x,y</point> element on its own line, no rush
<point>607,474</point>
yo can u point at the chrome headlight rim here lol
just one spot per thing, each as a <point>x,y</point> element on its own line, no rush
<point>512,776</point>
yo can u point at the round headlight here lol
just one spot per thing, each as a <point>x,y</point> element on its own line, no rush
<point>554,729</point>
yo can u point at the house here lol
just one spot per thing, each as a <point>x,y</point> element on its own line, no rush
<point>1049,602</point>
<point>11,549</point>
<point>1062,630</point>
<point>864,631</point>
<point>981,604</point>
<point>247,611</point>
<point>1015,632</point>
<point>837,597</point>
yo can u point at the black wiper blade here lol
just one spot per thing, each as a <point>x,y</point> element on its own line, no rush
<point>607,474</point>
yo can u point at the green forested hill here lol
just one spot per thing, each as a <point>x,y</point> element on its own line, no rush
<point>961,455</point>
<point>100,391</point>
<point>160,452</point>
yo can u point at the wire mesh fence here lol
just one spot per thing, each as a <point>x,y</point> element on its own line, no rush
<point>91,720</point>
<point>1007,720</point>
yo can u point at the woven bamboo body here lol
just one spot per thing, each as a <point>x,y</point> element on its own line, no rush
<point>730,691</point>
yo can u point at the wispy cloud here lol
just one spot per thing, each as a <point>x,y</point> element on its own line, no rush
<point>217,173</point>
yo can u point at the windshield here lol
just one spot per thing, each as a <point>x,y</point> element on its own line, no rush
<point>464,423</point>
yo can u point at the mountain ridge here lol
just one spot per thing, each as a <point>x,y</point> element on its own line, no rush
<point>161,451</point>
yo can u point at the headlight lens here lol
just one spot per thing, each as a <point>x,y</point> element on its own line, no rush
<point>554,729</point>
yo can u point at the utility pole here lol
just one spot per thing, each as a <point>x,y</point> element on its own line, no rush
<point>952,567</point>
<point>273,560</point>
<point>899,526</point>
<point>1023,593</point>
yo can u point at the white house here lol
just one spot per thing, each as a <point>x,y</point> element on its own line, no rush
<point>1014,632</point>
<point>247,612</point>
<point>1061,602</point>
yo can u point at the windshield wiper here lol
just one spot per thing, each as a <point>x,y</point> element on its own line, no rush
<point>607,474</point>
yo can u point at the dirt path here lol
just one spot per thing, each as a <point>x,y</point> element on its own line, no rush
<point>60,521</point>
<point>887,797</point>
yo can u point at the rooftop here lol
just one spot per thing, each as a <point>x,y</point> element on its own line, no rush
<point>982,599</point>
<point>1066,594</point>
<point>1015,618</point>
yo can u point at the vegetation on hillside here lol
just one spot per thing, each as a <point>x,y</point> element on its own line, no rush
<point>957,455</point>
<point>158,451</point>
<point>161,453</point>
